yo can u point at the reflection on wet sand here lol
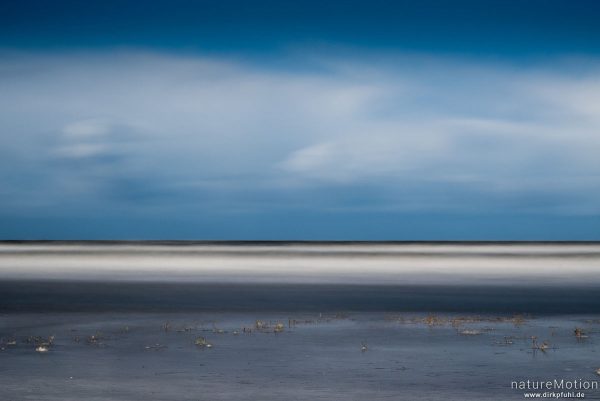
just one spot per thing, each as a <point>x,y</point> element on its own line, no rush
<point>321,355</point>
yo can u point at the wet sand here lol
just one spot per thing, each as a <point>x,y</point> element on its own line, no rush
<point>312,356</point>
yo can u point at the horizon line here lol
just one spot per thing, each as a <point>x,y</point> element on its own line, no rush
<point>284,242</point>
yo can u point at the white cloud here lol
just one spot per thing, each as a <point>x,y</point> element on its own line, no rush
<point>86,129</point>
<point>188,123</point>
<point>81,150</point>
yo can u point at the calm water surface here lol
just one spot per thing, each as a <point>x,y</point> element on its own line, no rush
<point>358,321</point>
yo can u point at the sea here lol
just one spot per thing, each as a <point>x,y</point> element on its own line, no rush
<point>197,320</point>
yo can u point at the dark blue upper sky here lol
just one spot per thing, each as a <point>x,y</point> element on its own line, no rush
<point>424,120</point>
<point>532,27</point>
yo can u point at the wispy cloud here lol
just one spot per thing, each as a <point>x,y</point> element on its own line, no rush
<point>176,132</point>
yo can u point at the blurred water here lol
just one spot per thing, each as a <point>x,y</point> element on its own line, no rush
<point>342,295</point>
<point>112,296</point>
<point>316,263</point>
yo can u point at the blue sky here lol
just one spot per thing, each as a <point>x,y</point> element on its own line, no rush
<point>431,120</point>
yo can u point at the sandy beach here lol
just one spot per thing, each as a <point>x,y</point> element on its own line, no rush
<point>299,356</point>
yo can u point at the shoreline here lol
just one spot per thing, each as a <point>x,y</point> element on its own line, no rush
<point>89,296</point>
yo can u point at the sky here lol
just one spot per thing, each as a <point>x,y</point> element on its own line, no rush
<point>270,120</point>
